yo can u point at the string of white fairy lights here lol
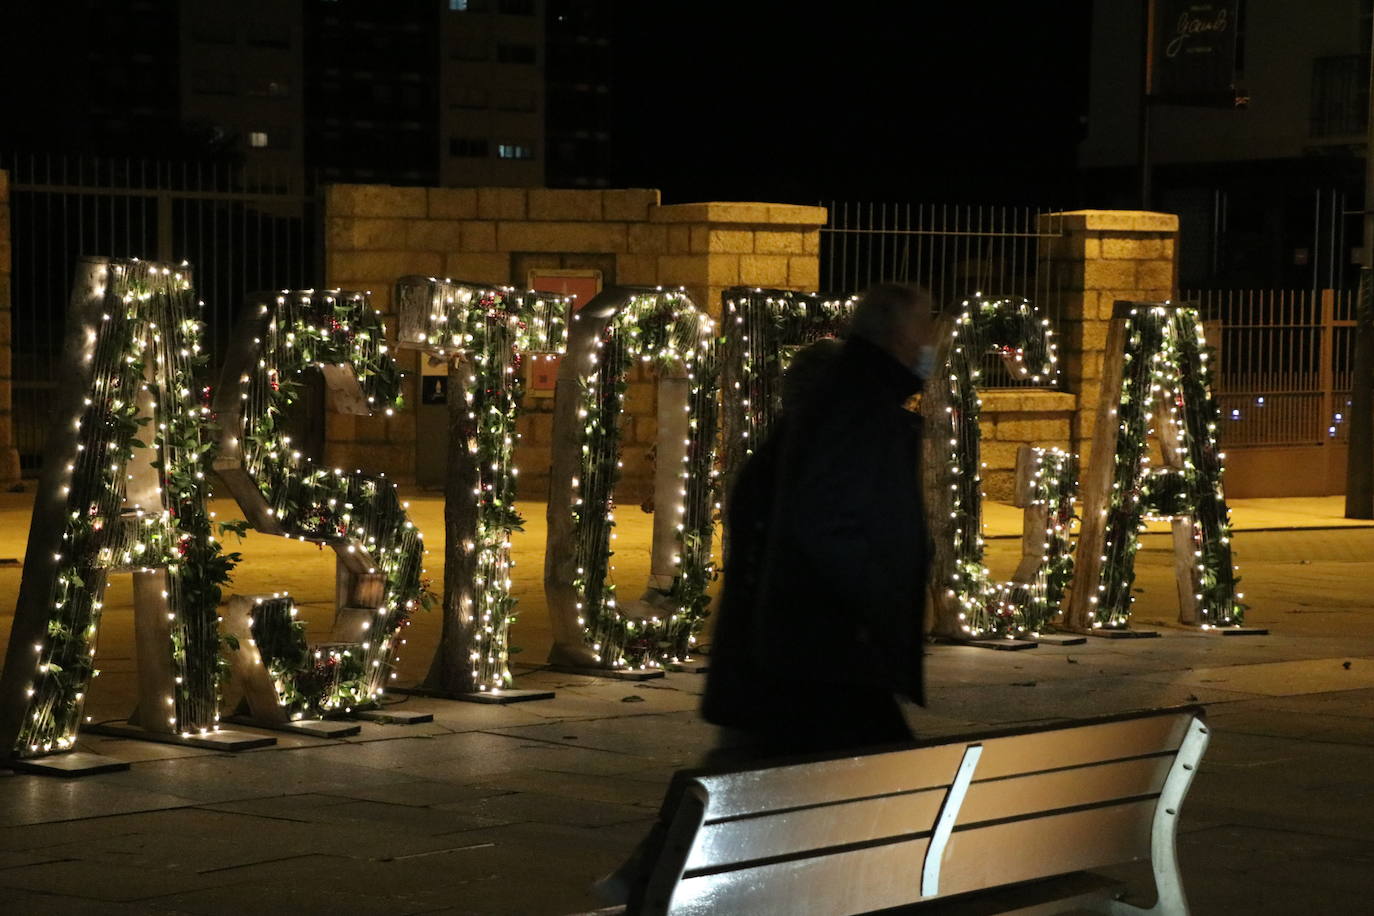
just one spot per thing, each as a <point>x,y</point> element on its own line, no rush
<point>295,332</point>
<point>762,329</point>
<point>666,328</point>
<point>1013,329</point>
<point>492,328</point>
<point>149,340</point>
<point>142,355</point>
<point>1166,380</point>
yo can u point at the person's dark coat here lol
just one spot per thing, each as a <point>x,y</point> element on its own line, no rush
<point>842,589</point>
<point>735,695</point>
<point>837,599</point>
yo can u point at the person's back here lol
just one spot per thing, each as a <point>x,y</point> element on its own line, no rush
<point>838,603</point>
<point>734,695</point>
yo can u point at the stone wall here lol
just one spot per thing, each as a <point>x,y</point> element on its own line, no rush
<point>9,455</point>
<point>1013,418</point>
<point>375,234</point>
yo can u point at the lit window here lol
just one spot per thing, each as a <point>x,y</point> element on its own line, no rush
<point>257,139</point>
<point>514,151</point>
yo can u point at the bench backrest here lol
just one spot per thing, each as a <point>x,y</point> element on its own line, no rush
<point>862,833</point>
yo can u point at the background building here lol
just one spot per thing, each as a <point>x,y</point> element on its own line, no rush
<point>1264,193</point>
<point>577,85</point>
<point>423,92</point>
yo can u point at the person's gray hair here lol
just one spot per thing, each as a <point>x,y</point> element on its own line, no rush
<point>881,308</point>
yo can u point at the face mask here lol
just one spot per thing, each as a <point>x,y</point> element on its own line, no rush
<point>924,365</point>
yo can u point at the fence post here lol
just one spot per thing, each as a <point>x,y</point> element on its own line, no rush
<point>9,454</point>
<point>164,227</point>
<point>1359,477</point>
<point>1328,363</point>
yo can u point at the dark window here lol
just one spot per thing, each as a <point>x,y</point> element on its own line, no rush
<point>468,97</point>
<point>469,6</point>
<point>469,47</point>
<point>1340,95</point>
<point>467,147</point>
<point>270,88</point>
<point>212,82</point>
<point>517,100</point>
<point>515,54</point>
<point>517,7</point>
<point>269,35</point>
<point>213,32</point>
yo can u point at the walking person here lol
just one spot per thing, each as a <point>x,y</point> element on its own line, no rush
<point>735,696</point>
<point>835,603</point>
<point>821,624</point>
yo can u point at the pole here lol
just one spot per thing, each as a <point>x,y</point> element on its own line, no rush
<point>1146,79</point>
<point>1359,469</point>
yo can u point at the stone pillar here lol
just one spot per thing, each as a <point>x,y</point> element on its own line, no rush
<point>1102,256</point>
<point>376,234</point>
<point>709,247</point>
<point>9,454</point>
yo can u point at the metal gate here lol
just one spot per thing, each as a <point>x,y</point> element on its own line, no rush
<point>1285,362</point>
<point>239,232</point>
<point>953,250</point>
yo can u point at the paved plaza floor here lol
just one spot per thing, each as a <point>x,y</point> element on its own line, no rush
<point>516,809</point>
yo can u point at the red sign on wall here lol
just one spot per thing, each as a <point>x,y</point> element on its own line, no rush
<point>542,374</point>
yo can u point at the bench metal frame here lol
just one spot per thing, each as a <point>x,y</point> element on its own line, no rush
<point>688,812</point>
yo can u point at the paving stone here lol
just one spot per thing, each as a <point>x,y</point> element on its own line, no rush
<point>94,880</point>
<point>20,901</point>
<point>422,794</point>
<point>1279,678</point>
<point>303,897</point>
<point>35,799</point>
<point>250,775</point>
<point>585,786</point>
<point>10,859</point>
<point>405,819</point>
<point>542,808</point>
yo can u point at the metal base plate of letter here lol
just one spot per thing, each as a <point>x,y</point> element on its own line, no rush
<point>316,728</point>
<point>1232,631</point>
<point>1105,633</point>
<point>614,674</point>
<point>394,717</point>
<point>502,697</point>
<point>499,697</point>
<point>222,740</point>
<point>1001,645</point>
<point>74,763</point>
<point>1060,639</point>
<point>692,667</point>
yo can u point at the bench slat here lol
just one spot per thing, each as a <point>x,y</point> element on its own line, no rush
<point>890,875</point>
<point>917,769</point>
<point>726,842</point>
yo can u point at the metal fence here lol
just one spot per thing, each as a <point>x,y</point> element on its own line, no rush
<point>1284,364</point>
<point>954,250</point>
<point>240,233</point>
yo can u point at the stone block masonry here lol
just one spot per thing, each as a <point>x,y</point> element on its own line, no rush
<point>375,234</point>
<point>1102,256</point>
<point>1012,418</point>
<point>9,454</point>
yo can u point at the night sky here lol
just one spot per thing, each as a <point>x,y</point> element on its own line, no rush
<point>967,101</point>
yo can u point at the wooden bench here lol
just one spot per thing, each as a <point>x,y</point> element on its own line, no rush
<point>919,825</point>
